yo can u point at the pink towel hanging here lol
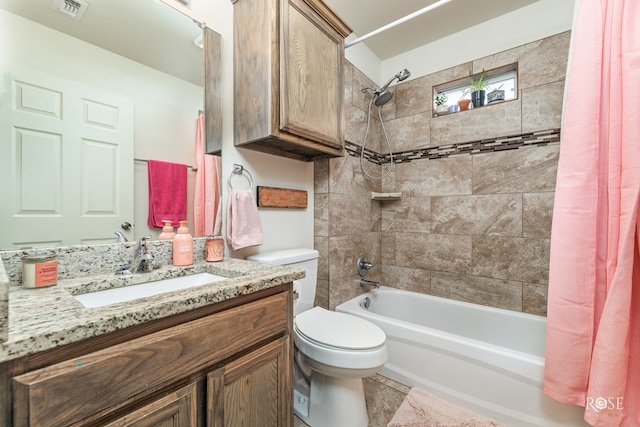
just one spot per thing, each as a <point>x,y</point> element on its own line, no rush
<point>167,193</point>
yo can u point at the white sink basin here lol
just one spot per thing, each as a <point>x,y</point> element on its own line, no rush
<point>128,293</point>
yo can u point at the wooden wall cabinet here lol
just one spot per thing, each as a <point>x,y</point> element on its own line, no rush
<point>229,368</point>
<point>288,78</point>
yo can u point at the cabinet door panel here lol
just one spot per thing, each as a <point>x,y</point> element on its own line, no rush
<point>312,99</point>
<point>178,409</point>
<point>253,390</point>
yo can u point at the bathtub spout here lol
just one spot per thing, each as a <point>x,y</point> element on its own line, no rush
<point>368,284</point>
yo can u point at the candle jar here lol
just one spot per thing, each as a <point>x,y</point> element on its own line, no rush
<point>214,249</point>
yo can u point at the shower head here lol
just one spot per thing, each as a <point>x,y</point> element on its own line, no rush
<point>381,95</point>
<point>402,75</point>
<point>382,98</point>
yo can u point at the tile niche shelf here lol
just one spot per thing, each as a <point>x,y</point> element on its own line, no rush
<point>385,196</point>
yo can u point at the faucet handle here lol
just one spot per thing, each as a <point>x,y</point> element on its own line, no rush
<point>142,245</point>
<point>363,265</point>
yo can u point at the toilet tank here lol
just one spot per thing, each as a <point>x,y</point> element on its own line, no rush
<point>307,259</point>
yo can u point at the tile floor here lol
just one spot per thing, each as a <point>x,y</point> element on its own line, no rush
<point>383,397</point>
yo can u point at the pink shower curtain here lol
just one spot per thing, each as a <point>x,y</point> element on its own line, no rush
<point>207,206</point>
<point>593,332</point>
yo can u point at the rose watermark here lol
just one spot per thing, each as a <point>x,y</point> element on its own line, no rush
<point>605,403</point>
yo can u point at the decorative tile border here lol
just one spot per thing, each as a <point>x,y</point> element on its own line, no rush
<point>512,142</point>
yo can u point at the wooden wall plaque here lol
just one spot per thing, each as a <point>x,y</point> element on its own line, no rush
<point>272,197</point>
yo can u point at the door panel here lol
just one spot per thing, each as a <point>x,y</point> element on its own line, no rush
<point>66,164</point>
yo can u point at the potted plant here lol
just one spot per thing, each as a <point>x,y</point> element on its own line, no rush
<point>479,85</point>
<point>496,95</point>
<point>441,104</point>
<point>463,103</point>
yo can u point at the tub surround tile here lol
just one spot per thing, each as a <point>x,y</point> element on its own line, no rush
<point>321,214</point>
<point>409,279</point>
<point>521,259</point>
<point>348,82</point>
<point>322,294</point>
<point>361,99</point>
<point>540,62</point>
<point>353,214</point>
<point>446,177</point>
<point>388,248</point>
<point>440,252</point>
<point>415,96</point>
<point>542,106</point>
<point>496,214</point>
<point>321,176</point>
<point>345,177</point>
<point>321,244</point>
<point>481,209</point>
<point>534,298</point>
<point>527,170</point>
<point>407,133</point>
<point>487,122</point>
<point>356,124</point>
<point>537,212</point>
<point>479,290</point>
<point>412,213</point>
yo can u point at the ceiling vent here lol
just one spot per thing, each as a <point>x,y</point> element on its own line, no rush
<point>73,9</point>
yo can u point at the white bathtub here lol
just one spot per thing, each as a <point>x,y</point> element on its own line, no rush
<point>484,359</point>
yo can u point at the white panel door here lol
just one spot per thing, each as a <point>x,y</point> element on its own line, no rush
<point>66,162</point>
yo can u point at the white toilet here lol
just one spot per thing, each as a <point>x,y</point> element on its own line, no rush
<point>333,351</point>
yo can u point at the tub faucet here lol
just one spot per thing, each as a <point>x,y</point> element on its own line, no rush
<point>143,260</point>
<point>368,284</point>
<point>363,265</point>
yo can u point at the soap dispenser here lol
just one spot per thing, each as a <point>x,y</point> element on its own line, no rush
<point>183,246</point>
<point>167,231</point>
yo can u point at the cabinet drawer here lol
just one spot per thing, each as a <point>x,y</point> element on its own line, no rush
<point>98,383</point>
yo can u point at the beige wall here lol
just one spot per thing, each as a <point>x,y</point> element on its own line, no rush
<point>475,217</point>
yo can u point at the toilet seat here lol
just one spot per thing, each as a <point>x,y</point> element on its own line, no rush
<point>338,340</point>
<point>339,330</point>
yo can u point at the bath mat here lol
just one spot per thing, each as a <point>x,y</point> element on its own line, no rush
<point>421,409</point>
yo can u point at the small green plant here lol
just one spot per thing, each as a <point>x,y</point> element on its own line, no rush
<point>441,99</point>
<point>480,83</point>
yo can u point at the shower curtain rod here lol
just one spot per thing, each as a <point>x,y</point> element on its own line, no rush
<point>396,22</point>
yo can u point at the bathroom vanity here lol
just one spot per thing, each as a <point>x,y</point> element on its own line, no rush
<point>214,354</point>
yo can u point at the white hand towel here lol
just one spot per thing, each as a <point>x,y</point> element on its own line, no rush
<point>244,228</point>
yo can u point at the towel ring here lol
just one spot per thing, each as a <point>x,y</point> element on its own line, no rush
<point>239,170</point>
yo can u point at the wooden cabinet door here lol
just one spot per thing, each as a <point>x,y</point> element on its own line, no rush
<point>178,409</point>
<point>254,390</point>
<point>312,88</point>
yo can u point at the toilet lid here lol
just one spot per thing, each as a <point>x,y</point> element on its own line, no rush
<point>339,330</point>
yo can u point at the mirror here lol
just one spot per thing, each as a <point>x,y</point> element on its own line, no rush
<point>143,58</point>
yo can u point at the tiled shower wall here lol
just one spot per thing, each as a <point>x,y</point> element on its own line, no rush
<point>477,188</point>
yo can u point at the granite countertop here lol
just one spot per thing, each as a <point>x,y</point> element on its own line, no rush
<point>46,318</point>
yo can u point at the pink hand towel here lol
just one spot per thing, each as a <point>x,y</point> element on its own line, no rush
<point>244,228</point>
<point>167,193</point>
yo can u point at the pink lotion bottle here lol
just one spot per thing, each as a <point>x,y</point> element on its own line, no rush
<point>183,246</point>
<point>167,231</point>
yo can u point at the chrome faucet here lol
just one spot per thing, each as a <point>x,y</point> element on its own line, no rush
<point>143,260</point>
<point>121,238</point>
<point>363,265</point>
<point>368,284</point>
